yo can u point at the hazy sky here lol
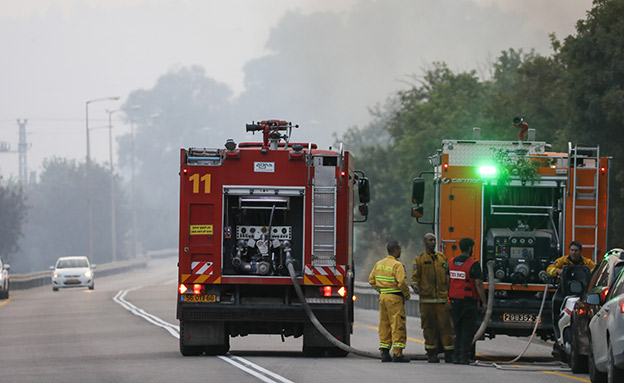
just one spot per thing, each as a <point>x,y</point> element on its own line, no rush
<point>57,54</point>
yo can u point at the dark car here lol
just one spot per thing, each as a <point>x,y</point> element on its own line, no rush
<point>602,277</point>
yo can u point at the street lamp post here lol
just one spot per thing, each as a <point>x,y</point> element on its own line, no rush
<point>133,184</point>
<point>112,182</point>
<point>89,202</point>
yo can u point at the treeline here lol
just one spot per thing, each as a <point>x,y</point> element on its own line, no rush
<point>576,94</point>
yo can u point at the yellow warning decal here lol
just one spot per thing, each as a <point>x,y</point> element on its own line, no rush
<point>201,229</point>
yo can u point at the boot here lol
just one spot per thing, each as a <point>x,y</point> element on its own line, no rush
<point>432,356</point>
<point>400,359</point>
<point>385,355</point>
<point>448,356</point>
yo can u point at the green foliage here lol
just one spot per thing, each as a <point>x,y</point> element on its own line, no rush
<point>12,214</point>
<point>517,166</point>
<point>575,93</point>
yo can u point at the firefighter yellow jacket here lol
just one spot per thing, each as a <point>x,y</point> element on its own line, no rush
<point>564,261</point>
<point>388,276</point>
<point>430,274</point>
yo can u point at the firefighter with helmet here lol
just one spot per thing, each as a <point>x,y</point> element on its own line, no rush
<point>389,279</point>
<point>430,282</point>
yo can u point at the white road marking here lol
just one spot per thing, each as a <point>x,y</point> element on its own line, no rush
<point>251,368</point>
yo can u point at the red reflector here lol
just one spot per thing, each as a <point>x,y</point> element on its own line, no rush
<point>342,291</point>
<point>326,291</point>
<point>197,289</point>
<point>182,289</point>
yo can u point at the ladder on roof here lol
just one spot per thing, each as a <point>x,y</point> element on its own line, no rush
<point>585,161</point>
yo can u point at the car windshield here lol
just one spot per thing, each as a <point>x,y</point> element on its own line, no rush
<point>66,263</point>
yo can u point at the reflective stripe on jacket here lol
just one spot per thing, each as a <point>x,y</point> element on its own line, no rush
<point>430,275</point>
<point>388,277</point>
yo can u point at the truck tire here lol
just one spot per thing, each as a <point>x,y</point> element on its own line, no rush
<point>187,350</point>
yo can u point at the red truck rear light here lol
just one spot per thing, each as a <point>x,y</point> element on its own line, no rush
<point>199,289</point>
<point>621,303</point>
<point>330,291</point>
<point>182,289</point>
<point>195,289</point>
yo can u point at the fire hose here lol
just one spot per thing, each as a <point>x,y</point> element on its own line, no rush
<point>488,313</point>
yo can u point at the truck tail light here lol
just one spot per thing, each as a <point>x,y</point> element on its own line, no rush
<point>342,291</point>
<point>603,170</point>
<point>329,291</point>
<point>198,289</point>
<point>621,304</point>
<point>326,291</point>
<point>182,289</point>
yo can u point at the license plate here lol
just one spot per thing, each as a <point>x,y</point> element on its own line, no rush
<point>513,317</point>
<point>198,298</point>
<point>72,281</point>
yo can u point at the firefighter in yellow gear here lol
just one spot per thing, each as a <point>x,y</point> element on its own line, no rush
<point>389,279</point>
<point>430,281</point>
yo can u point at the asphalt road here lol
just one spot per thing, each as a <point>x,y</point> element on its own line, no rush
<point>125,331</point>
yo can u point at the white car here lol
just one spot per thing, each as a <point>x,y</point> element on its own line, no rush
<point>606,359</point>
<point>4,280</point>
<point>72,272</point>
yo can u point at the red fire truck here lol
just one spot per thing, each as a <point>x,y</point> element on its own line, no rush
<point>246,212</point>
<point>520,224</point>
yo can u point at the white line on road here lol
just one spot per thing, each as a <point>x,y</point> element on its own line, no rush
<point>251,368</point>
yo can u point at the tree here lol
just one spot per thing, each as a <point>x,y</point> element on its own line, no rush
<point>12,214</point>
<point>56,224</point>
<point>184,109</point>
<point>595,76</point>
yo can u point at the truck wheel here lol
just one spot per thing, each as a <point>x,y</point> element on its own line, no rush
<point>577,362</point>
<point>187,350</point>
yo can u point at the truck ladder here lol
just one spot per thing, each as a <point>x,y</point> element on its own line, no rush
<point>324,215</point>
<point>585,214</point>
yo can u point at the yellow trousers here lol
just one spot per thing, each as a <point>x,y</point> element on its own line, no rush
<point>392,329</point>
<point>436,323</point>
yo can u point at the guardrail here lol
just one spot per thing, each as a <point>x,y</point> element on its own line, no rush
<point>368,299</point>
<point>43,278</point>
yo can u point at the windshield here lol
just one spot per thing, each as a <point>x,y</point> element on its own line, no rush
<point>66,263</point>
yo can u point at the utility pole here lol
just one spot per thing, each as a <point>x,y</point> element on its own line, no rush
<point>22,148</point>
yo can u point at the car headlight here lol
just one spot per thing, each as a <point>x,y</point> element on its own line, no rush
<point>88,273</point>
<point>55,275</point>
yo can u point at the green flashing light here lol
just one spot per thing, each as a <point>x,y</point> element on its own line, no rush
<point>487,171</point>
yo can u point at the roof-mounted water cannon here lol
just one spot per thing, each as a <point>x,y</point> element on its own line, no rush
<point>271,132</point>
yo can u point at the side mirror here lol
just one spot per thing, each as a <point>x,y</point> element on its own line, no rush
<point>363,190</point>
<point>93,266</point>
<point>7,267</point>
<point>418,191</point>
<point>51,267</point>
<point>593,299</point>
<point>417,211</point>
<point>363,209</point>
